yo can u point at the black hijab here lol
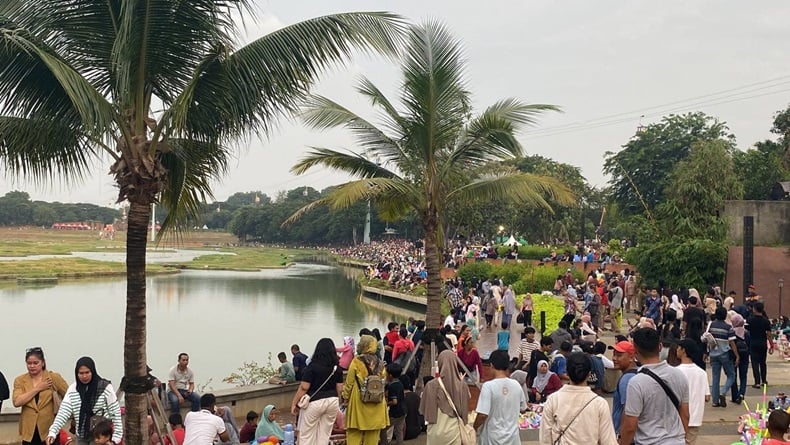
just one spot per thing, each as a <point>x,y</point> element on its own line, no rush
<point>89,393</point>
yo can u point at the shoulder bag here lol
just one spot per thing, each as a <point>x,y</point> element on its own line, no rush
<point>305,400</point>
<point>468,433</point>
<point>562,433</point>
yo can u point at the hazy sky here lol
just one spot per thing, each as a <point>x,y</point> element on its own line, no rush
<point>605,63</point>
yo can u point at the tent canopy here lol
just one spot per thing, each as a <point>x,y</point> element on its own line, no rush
<point>511,241</point>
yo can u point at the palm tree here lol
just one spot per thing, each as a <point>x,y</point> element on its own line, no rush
<point>80,80</point>
<point>430,153</point>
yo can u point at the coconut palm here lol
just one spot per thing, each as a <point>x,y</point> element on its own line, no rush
<point>161,88</point>
<point>431,152</point>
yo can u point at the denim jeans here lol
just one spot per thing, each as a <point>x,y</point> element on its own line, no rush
<point>717,363</point>
<point>194,399</point>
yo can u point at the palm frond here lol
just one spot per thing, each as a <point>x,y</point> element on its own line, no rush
<point>303,210</point>
<point>192,166</point>
<point>322,113</point>
<point>351,163</point>
<point>492,135</point>
<point>270,77</point>
<point>41,149</point>
<point>523,188</point>
<point>160,42</point>
<point>434,90</point>
<point>393,121</point>
<point>36,82</point>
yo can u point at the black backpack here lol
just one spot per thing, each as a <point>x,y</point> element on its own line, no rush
<point>742,346</point>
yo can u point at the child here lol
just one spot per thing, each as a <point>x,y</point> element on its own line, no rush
<point>395,396</point>
<point>779,402</point>
<point>102,432</point>
<point>287,372</point>
<point>247,433</point>
<point>177,424</point>
<point>472,323</point>
<point>503,338</point>
<point>778,422</point>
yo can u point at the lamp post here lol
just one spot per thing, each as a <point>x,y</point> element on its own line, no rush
<point>781,285</point>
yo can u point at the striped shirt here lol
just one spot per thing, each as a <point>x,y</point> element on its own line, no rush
<point>106,405</point>
<point>525,349</point>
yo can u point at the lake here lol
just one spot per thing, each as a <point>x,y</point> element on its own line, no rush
<point>221,319</point>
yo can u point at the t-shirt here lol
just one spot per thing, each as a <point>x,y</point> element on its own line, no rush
<point>698,389</point>
<point>723,333</point>
<point>658,419</point>
<point>559,336</point>
<point>202,427</point>
<point>182,379</point>
<point>300,363</point>
<point>317,374</point>
<point>501,400</point>
<point>247,433</point>
<point>395,392</point>
<point>618,401</point>
<point>503,340</point>
<point>775,442</point>
<point>694,312</point>
<point>287,372</point>
<point>526,347</point>
<point>758,327</point>
<point>179,434</point>
<point>558,364</point>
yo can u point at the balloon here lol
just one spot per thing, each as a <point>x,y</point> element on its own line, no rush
<point>274,439</point>
<point>262,439</point>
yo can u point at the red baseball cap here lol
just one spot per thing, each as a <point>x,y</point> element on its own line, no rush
<point>624,346</point>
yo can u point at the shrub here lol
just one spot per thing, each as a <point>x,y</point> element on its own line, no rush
<point>554,308</point>
<point>251,374</point>
<point>478,269</point>
<point>533,252</point>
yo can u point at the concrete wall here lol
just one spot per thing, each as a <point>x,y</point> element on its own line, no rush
<point>771,221</point>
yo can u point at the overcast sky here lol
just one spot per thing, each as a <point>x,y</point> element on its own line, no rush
<point>605,63</point>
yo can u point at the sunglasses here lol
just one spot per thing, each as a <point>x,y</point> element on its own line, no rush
<point>34,349</point>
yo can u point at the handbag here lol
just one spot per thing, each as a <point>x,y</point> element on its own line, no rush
<point>520,318</point>
<point>304,401</point>
<point>468,433</point>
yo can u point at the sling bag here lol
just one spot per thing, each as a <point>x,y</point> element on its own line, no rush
<point>667,390</point>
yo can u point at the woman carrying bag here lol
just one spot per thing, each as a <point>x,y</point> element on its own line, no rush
<point>364,419</point>
<point>439,411</point>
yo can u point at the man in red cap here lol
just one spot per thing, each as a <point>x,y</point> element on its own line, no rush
<point>623,358</point>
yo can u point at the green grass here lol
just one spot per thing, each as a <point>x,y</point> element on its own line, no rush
<point>247,259</point>
<point>66,268</point>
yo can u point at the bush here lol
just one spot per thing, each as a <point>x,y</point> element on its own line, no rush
<point>554,308</point>
<point>534,252</point>
<point>251,374</point>
<point>478,269</point>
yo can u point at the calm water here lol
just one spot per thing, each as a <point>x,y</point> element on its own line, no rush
<point>220,318</point>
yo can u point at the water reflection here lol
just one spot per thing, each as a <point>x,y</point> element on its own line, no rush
<point>220,318</point>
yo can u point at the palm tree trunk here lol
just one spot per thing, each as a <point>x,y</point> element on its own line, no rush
<point>433,311</point>
<point>134,357</point>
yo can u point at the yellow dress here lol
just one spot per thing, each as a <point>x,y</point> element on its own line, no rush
<point>360,415</point>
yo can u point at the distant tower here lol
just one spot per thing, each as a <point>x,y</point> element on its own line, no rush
<point>366,233</point>
<point>257,200</point>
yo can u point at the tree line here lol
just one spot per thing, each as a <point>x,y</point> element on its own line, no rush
<point>17,209</point>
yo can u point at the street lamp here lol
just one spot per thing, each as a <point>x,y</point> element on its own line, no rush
<point>781,285</point>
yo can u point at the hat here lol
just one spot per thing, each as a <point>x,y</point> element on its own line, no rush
<point>692,349</point>
<point>624,346</point>
<point>751,287</point>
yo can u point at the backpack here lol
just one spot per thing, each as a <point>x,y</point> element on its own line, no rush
<point>372,388</point>
<point>742,346</point>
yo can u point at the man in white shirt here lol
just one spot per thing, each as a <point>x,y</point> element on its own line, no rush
<point>699,391</point>
<point>500,399</point>
<point>203,426</point>
<point>181,385</point>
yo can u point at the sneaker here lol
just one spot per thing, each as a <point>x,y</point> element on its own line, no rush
<point>723,401</point>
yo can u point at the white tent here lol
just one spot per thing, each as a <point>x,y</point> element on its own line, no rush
<point>511,242</point>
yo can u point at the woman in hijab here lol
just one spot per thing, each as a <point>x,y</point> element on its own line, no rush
<point>678,307</point>
<point>346,353</point>
<point>521,377</point>
<point>268,425</point>
<point>742,342</point>
<point>89,396</point>
<point>438,412</point>
<point>587,329</point>
<point>544,384</point>
<point>364,420</point>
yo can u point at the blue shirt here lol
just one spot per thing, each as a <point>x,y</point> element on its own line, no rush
<point>618,403</point>
<point>503,340</point>
<point>558,365</point>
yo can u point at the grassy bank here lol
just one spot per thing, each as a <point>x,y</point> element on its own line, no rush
<point>21,242</point>
<point>67,268</point>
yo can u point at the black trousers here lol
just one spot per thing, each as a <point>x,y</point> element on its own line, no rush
<point>758,355</point>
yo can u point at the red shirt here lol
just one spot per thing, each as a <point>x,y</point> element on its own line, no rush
<point>392,338</point>
<point>401,346</point>
<point>178,433</point>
